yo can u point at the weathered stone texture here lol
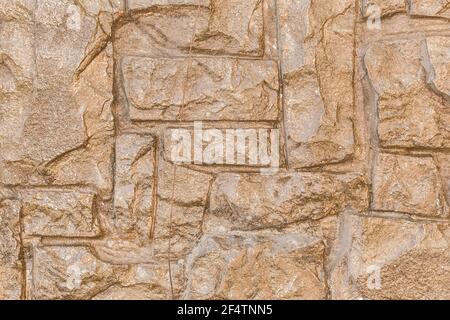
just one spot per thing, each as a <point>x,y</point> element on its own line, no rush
<point>410,113</point>
<point>252,202</point>
<point>201,89</point>
<point>393,259</point>
<point>317,53</point>
<point>65,213</point>
<point>346,102</point>
<point>10,263</point>
<point>395,188</point>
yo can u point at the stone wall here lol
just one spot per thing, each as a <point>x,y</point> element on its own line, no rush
<point>92,206</point>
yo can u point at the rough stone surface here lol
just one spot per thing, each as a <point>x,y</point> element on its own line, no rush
<point>93,204</point>
<point>201,89</point>
<point>318,45</point>
<point>411,114</point>
<point>396,189</point>
<point>59,213</point>
<point>393,259</point>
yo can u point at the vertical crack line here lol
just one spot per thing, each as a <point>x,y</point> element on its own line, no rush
<point>154,214</point>
<point>126,7</point>
<point>170,229</point>
<point>189,61</point>
<point>281,88</point>
<point>23,261</point>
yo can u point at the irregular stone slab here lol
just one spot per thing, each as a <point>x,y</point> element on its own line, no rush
<point>163,31</point>
<point>16,87</point>
<point>69,273</point>
<point>253,201</point>
<point>90,164</point>
<point>407,184</point>
<point>234,27</point>
<point>201,89</point>
<point>67,213</point>
<point>67,37</point>
<point>393,259</point>
<point>10,250</point>
<point>439,64</point>
<point>317,51</point>
<point>148,281</point>
<point>371,8</point>
<point>135,185</point>
<point>182,196</point>
<point>281,266</point>
<point>431,8</point>
<point>410,113</point>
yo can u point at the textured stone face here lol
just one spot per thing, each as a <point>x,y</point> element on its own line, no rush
<point>10,266</point>
<point>224,149</point>
<point>394,259</point>
<point>251,202</point>
<point>317,51</point>
<point>287,267</point>
<point>410,113</point>
<point>59,213</point>
<point>396,189</point>
<point>201,89</point>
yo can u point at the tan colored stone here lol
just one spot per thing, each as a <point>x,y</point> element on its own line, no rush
<point>393,259</point>
<point>16,86</point>
<point>431,8</point>
<point>407,184</point>
<point>54,119</point>
<point>91,163</point>
<point>201,89</point>
<point>253,202</point>
<point>317,52</point>
<point>163,31</point>
<point>10,250</point>
<point>81,272</point>
<point>181,200</point>
<point>69,273</point>
<point>410,113</point>
<point>438,49</point>
<point>234,27</point>
<point>371,8</point>
<point>257,266</point>
<point>135,185</point>
<point>67,213</point>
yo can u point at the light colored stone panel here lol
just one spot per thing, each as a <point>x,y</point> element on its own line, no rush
<point>182,197</point>
<point>393,259</point>
<point>317,39</point>
<point>431,8</point>
<point>134,185</point>
<point>163,31</point>
<point>67,213</point>
<point>201,89</point>
<point>438,48</point>
<point>371,8</point>
<point>407,184</point>
<point>234,27</point>
<point>10,247</point>
<point>253,201</point>
<point>410,113</point>
<point>279,266</point>
<point>69,273</point>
